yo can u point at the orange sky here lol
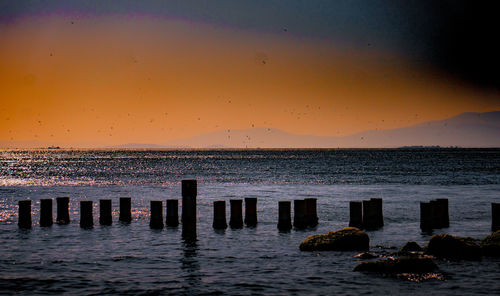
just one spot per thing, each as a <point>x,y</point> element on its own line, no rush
<point>115,79</point>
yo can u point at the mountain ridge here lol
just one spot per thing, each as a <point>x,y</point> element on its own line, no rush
<point>468,130</point>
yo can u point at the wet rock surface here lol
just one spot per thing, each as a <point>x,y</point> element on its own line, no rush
<point>454,247</point>
<point>410,247</point>
<point>491,245</point>
<point>346,239</point>
<point>366,255</point>
<point>398,265</point>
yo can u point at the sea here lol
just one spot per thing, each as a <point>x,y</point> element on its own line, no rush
<point>132,259</point>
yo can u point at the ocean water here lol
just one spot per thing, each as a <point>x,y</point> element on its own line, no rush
<point>133,259</point>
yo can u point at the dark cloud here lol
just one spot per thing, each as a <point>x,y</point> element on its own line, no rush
<point>466,43</point>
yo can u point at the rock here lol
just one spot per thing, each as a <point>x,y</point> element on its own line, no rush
<point>398,265</point>
<point>366,255</point>
<point>410,247</point>
<point>384,247</point>
<point>346,239</point>
<point>491,244</point>
<point>454,247</point>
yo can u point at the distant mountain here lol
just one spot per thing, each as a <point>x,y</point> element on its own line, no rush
<point>465,130</point>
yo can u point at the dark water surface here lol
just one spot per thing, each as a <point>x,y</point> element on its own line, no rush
<point>132,259</point>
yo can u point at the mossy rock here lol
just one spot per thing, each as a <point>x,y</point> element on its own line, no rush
<point>346,239</point>
<point>454,247</point>
<point>398,265</point>
<point>491,244</point>
<point>410,247</point>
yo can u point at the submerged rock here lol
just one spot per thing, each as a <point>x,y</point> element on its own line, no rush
<point>491,244</point>
<point>454,247</point>
<point>366,255</point>
<point>398,265</point>
<point>384,247</point>
<point>410,247</point>
<point>420,277</point>
<point>346,239</point>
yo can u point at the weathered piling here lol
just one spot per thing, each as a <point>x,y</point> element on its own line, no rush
<point>105,212</point>
<point>311,212</point>
<point>434,214</point>
<point>299,214</point>
<point>46,218</point>
<point>426,223</point>
<point>251,211</point>
<point>62,210</point>
<point>442,212</point>
<point>86,215</point>
<point>125,209</point>
<point>24,214</point>
<point>373,217</point>
<point>156,218</point>
<point>172,213</point>
<point>284,215</point>
<point>369,215</point>
<point>236,220</point>
<point>189,193</point>
<point>219,215</point>
<point>356,214</point>
<point>495,216</point>
<point>439,213</point>
<point>379,212</point>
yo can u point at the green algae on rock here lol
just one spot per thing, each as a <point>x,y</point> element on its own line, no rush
<point>398,265</point>
<point>491,244</point>
<point>346,239</point>
<point>454,247</point>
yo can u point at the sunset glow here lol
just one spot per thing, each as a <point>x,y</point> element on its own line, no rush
<point>89,81</point>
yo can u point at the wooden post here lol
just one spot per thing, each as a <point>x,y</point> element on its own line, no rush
<point>62,210</point>
<point>86,215</point>
<point>172,213</point>
<point>236,220</point>
<point>189,193</point>
<point>251,211</point>
<point>284,215</point>
<point>299,214</point>
<point>46,218</point>
<point>376,203</point>
<point>426,222</point>
<point>219,215</point>
<point>156,218</point>
<point>443,212</point>
<point>495,216</point>
<point>125,209</point>
<point>356,214</point>
<point>24,218</point>
<point>311,212</point>
<point>105,212</point>
<point>370,215</point>
<point>434,208</point>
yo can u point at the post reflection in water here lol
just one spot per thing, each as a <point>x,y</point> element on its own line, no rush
<point>190,265</point>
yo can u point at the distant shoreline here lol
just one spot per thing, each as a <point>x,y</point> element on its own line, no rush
<point>416,148</point>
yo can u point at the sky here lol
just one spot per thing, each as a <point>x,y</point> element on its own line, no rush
<point>91,73</point>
